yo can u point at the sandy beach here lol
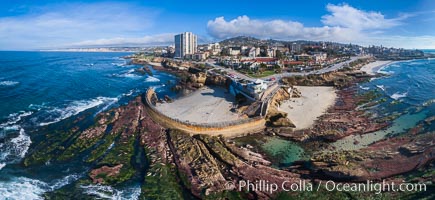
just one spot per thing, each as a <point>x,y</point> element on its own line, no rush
<point>373,67</point>
<point>206,105</point>
<point>305,110</point>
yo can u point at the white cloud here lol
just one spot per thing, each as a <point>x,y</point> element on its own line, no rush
<point>66,23</point>
<point>279,29</point>
<point>349,17</point>
<point>344,23</point>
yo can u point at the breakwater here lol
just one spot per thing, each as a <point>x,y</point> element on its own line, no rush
<point>227,129</point>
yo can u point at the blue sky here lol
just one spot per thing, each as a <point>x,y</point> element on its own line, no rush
<point>27,24</point>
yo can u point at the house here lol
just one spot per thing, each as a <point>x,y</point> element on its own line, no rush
<point>320,56</point>
<point>231,62</point>
<point>253,89</point>
<point>303,57</point>
<point>254,63</point>
<point>235,51</point>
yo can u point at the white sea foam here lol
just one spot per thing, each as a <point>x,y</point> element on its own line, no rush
<point>22,188</point>
<point>8,83</point>
<point>64,181</point>
<point>381,71</point>
<point>159,88</point>
<point>13,119</point>
<point>129,93</point>
<point>15,149</point>
<point>75,108</point>
<point>381,87</point>
<point>2,165</point>
<point>152,79</point>
<point>27,188</point>
<point>429,102</point>
<point>108,192</point>
<point>364,88</point>
<point>398,95</point>
<point>119,64</point>
<point>129,74</point>
<point>21,144</point>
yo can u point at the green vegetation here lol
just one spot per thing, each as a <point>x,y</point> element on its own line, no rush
<point>102,148</point>
<point>122,153</point>
<point>161,183</point>
<point>359,62</point>
<point>49,149</point>
<point>368,97</point>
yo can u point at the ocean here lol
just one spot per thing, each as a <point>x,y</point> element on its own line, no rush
<point>40,91</point>
<point>407,88</point>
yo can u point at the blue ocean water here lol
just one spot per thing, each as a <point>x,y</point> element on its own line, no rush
<point>43,88</point>
<point>408,87</point>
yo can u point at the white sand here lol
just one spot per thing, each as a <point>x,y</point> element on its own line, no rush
<point>305,110</point>
<point>373,67</point>
<point>207,105</point>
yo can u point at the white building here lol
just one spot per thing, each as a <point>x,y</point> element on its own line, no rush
<point>254,52</point>
<point>235,51</point>
<point>185,44</point>
<point>320,56</point>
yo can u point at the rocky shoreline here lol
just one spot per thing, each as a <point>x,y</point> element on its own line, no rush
<point>126,144</point>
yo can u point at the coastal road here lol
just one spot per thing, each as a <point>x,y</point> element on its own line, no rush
<point>230,71</point>
<point>319,71</point>
<point>288,74</point>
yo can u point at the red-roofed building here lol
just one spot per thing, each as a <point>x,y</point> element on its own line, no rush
<point>255,62</point>
<point>292,63</point>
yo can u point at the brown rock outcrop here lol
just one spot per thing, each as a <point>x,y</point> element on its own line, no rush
<point>104,171</point>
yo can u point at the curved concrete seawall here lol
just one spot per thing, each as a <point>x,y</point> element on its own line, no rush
<point>227,129</point>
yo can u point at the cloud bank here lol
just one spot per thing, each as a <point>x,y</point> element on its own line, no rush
<point>343,23</point>
<point>73,22</point>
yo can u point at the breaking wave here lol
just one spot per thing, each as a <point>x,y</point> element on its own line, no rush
<point>13,150</point>
<point>381,87</point>
<point>108,192</point>
<point>27,188</point>
<point>128,74</point>
<point>152,79</point>
<point>74,108</point>
<point>22,188</point>
<point>64,181</point>
<point>8,83</point>
<point>364,88</point>
<point>398,95</point>
<point>429,102</point>
<point>13,119</point>
<point>119,64</point>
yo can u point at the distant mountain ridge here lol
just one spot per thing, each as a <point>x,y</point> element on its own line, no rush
<point>252,41</point>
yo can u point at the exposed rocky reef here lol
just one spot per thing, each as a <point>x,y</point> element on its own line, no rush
<point>381,160</point>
